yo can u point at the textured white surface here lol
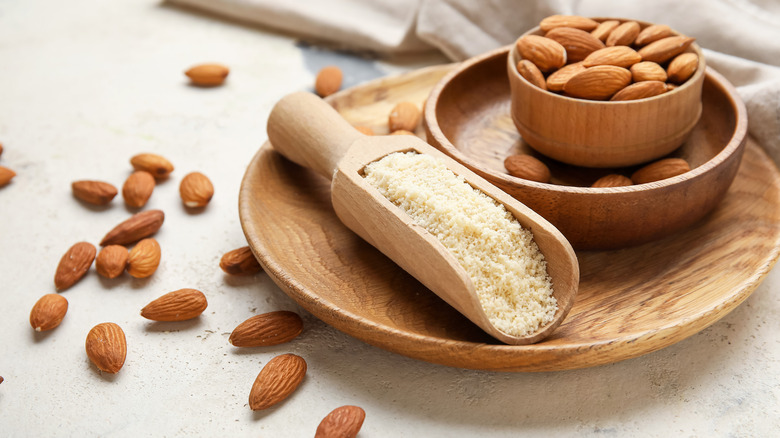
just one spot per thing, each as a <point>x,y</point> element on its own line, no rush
<point>84,85</point>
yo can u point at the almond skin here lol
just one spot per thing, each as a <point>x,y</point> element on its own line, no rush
<point>144,258</point>
<point>648,71</point>
<point>578,43</point>
<point>240,261</point>
<point>558,78</point>
<point>328,81</point>
<point>574,21</point>
<point>155,164</point>
<point>74,264</point>
<point>276,381</point>
<point>653,33</point>
<point>661,169</point>
<point>598,83</point>
<point>531,73</point>
<point>272,328</point>
<point>682,67</point>
<point>404,116</point>
<point>93,192</point>
<point>106,347</point>
<point>196,190</point>
<point>140,225</point>
<point>527,167</point>
<point>612,180</point>
<point>111,261</point>
<point>640,90</point>
<point>545,53</point>
<point>604,29</point>
<point>665,49</point>
<point>623,35</point>
<point>342,422</point>
<point>48,312</point>
<point>138,188</point>
<point>179,305</point>
<point>620,56</point>
<point>6,175</point>
<point>208,75</point>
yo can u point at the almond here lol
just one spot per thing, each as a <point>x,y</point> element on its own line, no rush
<point>179,305</point>
<point>402,132</point>
<point>653,33</point>
<point>93,192</point>
<point>138,188</point>
<point>196,190</point>
<point>144,258</point>
<point>670,87</point>
<point>547,54</point>
<point>612,180</point>
<point>665,49</point>
<point>598,83</point>
<point>6,175</point>
<point>48,312</point>
<point>208,75</point>
<point>328,81</point>
<point>1,149</point>
<point>272,328</point>
<point>648,71</point>
<point>365,130</point>
<point>2,379</point>
<point>155,164</point>
<point>240,261</point>
<point>604,29</point>
<point>141,225</point>
<point>531,73</point>
<point>111,261</point>
<point>623,35</point>
<point>640,90</point>
<point>682,67</point>
<point>661,169</point>
<point>74,264</point>
<point>342,422</point>
<point>404,116</point>
<point>107,347</point>
<point>574,21</point>
<point>527,167</point>
<point>276,381</point>
<point>577,42</point>
<point>620,56</point>
<point>558,78</point>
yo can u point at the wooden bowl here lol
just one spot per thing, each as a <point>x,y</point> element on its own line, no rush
<point>603,133</point>
<point>467,116</point>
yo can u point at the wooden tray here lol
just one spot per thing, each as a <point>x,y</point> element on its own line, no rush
<point>631,301</point>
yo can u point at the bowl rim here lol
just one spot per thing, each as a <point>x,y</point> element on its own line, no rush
<point>437,138</point>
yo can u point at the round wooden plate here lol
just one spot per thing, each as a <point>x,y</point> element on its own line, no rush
<point>631,301</point>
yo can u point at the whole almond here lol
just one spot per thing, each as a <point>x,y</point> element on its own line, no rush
<point>342,422</point>
<point>665,49</point>
<point>648,71</point>
<point>6,175</point>
<point>574,21</point>
<point>640,90</point>
<point>276,381</point>
<point>623,35</point>
<point>558,78</point>
<point>138,188</point>
<point>111,261</point>
<point>531,73</point>
<point>272,328</point>
<point>578,43</point>
<point>155,164</point>
<point>620,56</point>
<point>208,75</point>
<point>598,83</point>
<point>328,81</point>
<point>74,264</point>
<point>140,225</point>
<point>2,379</point>
<point>106,347</point>
<point>144,258</point>
<point>612,180</point>
<point>661,169</point>
<point>547,54</point>
<point>404,115</point>
<point>240,261</point>
<point>196,190</point>
<point>365,130</point>
<point>682,67</point>
<point>653,33</point>
<point>48,312</point>
<point>179,305</point>
<point>527,167</point>
<point>604,28</point>
<point>93,192</point>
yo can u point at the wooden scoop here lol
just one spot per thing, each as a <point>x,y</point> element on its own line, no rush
<point>306,130</point>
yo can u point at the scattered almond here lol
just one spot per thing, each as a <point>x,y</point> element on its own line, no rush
<point>404,116</point>
<point>276,381</point>
<point>111,261</point>
<point>342,422</point>
<point>272,328</point>
<point>604,28</point>
<point>578,43</point>
<point>620,56</point>
<point>640,90</point>
<point>144,258</point>
<point>598,83</point>
<point>402,132</point>
<point>240,261</point>
<point>648,71</point>
<point>623,35</point>
<point>653,33</point>
<point>48,312</point>
<point>196,190</point>
<point>208,75</point>
<point>93,192</point>
<point>557,79</point>
<point>574,21</point>
<point>6,175</point>
<point>612,180</point>
<point>106,347</point>
<point>531,73</point>
<point>2,379</point>
<point>365,130</point>
<point>328,81</point>
<point>155,164</point>
<point>545,53</point>
<point>138,188</point>
<point>140,225</point>
<point>682,67</point>
<point>179,305</point>
<point>665,49</point>
<point>527,167</point>
<point>74,264</point>
<point>661,169</point>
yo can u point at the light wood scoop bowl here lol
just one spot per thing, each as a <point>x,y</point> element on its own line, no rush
<point>309,132</point>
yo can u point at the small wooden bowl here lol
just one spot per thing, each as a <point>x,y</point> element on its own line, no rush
<point>467,116</point>
<point>603,133</point>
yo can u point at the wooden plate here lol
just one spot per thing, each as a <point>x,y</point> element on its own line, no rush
<point>631,301</point>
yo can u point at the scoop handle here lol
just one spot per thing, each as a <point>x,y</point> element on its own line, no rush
<point>309,132</point>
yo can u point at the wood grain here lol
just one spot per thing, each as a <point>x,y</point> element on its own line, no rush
<point>631,301</point>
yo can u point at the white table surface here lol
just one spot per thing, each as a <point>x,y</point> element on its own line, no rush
<point>86,84</point>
